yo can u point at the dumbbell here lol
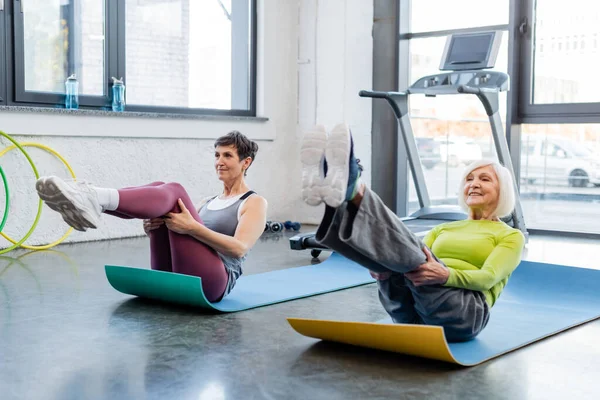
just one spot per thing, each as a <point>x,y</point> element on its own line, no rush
<point>273,226</point>
<point>292,225</point>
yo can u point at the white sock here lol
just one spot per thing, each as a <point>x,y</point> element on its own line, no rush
<point>108,198</point>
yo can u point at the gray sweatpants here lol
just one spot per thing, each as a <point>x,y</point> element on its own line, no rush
<point>373,236</point>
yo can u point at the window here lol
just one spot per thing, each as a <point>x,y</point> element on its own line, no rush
<point>557,123</point>
<point>178,56</point>
<point>194,56</point>
<point>437,15</point>
<point>59,39</point>
<point>560,172</point>
<point>554,86</point>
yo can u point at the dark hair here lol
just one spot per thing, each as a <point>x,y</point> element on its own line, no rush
<point>244,146</point>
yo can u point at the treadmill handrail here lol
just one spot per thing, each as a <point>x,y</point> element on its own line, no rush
<point>379,94</point>
<point>449,89</point>
<point>475,90</point>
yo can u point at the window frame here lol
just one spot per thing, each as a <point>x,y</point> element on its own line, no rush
<point>55,99</point>
<point>3,54</point>
<point>529,112</point>
<point>12,71</point>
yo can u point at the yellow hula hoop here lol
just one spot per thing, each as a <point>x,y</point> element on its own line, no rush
<point>40,203</point>
<point>61,158</point>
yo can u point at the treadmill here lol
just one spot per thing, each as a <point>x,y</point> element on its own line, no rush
<point>467,57</point>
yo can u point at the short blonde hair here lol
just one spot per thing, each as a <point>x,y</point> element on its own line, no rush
<point>506,200</point>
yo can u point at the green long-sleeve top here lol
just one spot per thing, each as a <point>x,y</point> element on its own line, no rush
<point>480,254</point>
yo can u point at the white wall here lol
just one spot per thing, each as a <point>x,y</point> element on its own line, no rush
<point>333,35</point>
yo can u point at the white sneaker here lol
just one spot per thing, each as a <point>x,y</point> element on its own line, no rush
<point>312,156</point>
<point>77,202</point>
<point>338,151</point>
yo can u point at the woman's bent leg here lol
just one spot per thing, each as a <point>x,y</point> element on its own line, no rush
<point>187,255</point>
<point>375,232</point>
<point>160,248</point>
<point>80,206</point>
<point>190,257</point>
<point>397,299</point>
<point>462,313</point>
<point>394,296</point>
<point>328,234</point>
<point>152,201</point>
<point>122,215</point>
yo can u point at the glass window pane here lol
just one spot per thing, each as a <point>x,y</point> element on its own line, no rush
<point>195,55</point>
<point>560,173</point>
<point>437,15</point>
<point>450,130</point>
<point>566,52</point>
<point>63,37</point>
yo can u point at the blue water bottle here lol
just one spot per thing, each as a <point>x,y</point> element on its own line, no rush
<point>118,95</point>
<point>72,93</point>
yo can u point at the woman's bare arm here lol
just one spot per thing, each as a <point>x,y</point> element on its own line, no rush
<point>250,227</point>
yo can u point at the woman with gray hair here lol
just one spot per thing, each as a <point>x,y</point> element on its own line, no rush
<point>453,277</point>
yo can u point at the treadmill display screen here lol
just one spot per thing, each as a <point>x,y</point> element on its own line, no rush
<point>470,49</point>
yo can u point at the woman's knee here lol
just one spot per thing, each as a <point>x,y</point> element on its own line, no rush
<point>176,188</point>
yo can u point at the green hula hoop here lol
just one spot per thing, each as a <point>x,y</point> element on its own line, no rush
<point>40,204</point>
<point>7,204</point>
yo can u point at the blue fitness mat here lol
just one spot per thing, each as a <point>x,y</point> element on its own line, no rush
<point>250,291</point>
<point>540,300</point>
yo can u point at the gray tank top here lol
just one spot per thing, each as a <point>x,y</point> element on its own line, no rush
<point>225,221</point>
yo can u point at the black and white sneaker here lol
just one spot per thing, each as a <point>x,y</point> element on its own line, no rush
<point>77,202</point>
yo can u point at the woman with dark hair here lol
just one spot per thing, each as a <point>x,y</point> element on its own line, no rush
<point>211,243</point>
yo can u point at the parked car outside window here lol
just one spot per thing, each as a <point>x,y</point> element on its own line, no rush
<point>557,160</point>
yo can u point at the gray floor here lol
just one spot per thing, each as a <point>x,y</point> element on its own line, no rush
<point>66,334</point>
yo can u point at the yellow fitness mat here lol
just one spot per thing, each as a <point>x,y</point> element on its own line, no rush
<point>540,300</point>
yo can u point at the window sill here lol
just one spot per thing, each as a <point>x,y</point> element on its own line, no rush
<point>46,121</point>
<point>129,114</point>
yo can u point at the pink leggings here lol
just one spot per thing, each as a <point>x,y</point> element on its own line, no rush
<point>170,251</point>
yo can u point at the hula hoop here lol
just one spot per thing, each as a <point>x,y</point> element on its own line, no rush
<point>39,212</point>
<point>61,158</point>
<point>7,204</point>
